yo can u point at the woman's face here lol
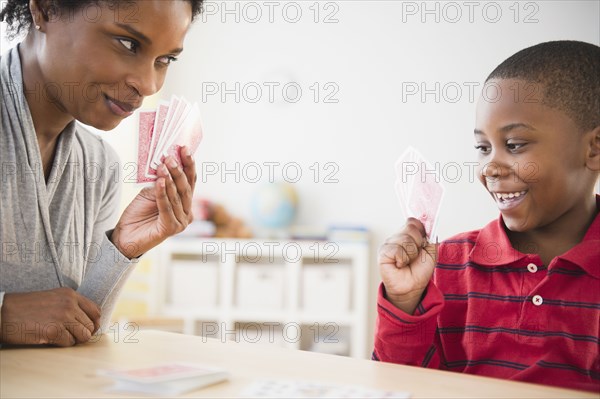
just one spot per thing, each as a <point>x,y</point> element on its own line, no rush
<point>99,62</point>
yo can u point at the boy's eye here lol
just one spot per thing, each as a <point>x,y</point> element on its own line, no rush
<point>482,148</point>
<point>514,146</point>
<point>166,60</point>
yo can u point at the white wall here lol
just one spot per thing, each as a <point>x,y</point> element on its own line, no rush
<point>375,50</point>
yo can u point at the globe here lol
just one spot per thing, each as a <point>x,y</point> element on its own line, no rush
<point>274,205</point>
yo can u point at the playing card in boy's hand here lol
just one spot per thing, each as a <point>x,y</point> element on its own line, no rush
<point>419,193</point>
<point>163,132</point>
<point>424,202</point>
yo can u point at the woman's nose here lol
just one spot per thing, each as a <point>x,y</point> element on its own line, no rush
<point>145,80</point>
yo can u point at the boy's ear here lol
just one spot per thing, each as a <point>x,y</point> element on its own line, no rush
<point>592,159</point>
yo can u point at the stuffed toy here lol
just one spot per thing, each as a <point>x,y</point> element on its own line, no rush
<point>226,225</point>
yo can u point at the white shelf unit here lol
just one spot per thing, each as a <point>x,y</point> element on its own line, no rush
<point>309,295</point>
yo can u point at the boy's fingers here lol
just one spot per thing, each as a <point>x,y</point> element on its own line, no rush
<point>392,256</point>
<point>416,228</point>
<point>399,250</point>
<point>387,253</point>
<point>409,249</point>
<point>432,251</point>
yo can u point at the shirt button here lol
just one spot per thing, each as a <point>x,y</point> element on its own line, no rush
<point>532,268</point>
<point>537,300</point>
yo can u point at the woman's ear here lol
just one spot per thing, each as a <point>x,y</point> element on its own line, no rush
<point>592,159</point>
<point>40,10</point>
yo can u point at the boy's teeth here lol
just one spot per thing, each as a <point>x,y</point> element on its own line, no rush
<point>505,196</point>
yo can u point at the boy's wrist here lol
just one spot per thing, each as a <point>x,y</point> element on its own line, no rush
<point>406,302</point>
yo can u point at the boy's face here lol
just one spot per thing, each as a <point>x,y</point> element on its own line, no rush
<point>532,157</point>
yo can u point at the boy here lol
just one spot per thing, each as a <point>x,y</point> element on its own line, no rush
<point>520,298</point>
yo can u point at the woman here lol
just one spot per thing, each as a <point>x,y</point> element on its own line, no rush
<point>64,260</point>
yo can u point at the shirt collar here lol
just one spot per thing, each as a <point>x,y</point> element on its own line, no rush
<point>586,254</point>
<point>493,248</point>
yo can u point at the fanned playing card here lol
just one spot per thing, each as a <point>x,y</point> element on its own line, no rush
<point>418,189</point>
<point>159,122</point>
<point>162,132</point>
<point>171,124</point>
<point>146,128</point>
<point>189,133</point>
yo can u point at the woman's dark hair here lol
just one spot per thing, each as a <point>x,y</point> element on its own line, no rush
<point>18,17</point>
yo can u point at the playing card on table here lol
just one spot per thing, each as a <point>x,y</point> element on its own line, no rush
<point>418,189</point>
<point>308,389</point>
<point>163,380</point>
<point>163,132</point>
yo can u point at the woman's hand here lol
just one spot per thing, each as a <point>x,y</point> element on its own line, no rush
<point>158,212</point>
<point>60,317</point>
<point>406,262</point>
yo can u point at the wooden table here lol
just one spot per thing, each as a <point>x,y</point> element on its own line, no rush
<point>71,372</point>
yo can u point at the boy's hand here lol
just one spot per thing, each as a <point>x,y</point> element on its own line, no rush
<point>60,317</point>
<point>158,212</point>
<point>406,262</point>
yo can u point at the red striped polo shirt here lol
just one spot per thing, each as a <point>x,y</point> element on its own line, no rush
<point>492,310</point>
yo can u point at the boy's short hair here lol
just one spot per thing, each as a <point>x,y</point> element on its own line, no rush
<point>569,72</point>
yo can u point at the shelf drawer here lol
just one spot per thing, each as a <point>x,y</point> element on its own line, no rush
<point>326,287</point>
<point>260,286</point>
<point>193,284</point>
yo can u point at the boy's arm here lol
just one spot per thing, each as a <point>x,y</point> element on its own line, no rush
<point>408,302</point>
<point>408,339</point>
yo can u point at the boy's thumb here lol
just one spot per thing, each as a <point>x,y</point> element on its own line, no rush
<point>432,249</point>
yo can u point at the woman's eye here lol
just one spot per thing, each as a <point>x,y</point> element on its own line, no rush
<point>129,44</point>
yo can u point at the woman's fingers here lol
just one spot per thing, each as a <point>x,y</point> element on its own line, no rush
<point>175,200</point>
<point>165,209</point>
<point>189,167</point>
<point>179,190</point>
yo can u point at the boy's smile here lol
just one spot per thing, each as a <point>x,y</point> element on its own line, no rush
<point>532,159</point>
<point>509,200</point>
